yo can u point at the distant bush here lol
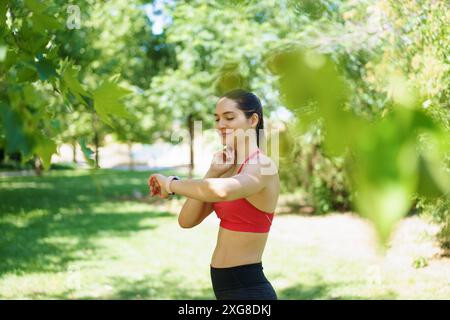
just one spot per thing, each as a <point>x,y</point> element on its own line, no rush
<point>303,165</point>
<point>438,210</point>
<point>63,166</point>
<point>10,165</point>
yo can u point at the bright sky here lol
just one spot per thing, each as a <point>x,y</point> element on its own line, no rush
<point>156,14</point>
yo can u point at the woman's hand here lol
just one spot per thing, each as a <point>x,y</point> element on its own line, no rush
<point>222,161</point>
<point>157,183</point>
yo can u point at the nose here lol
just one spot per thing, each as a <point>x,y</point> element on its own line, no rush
<point>222,129</point>
<point>221,124</point>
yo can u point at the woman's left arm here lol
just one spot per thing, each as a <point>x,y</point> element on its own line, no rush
<point>242,185</point>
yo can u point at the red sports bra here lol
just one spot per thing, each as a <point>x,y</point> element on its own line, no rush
<point>241,215</point>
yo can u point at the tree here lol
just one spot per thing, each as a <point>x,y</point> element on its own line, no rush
<point>44,63</point>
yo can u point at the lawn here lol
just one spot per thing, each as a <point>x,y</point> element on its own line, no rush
<point>74,234</point>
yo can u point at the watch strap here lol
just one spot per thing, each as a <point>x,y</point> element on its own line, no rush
<point>169,180</point>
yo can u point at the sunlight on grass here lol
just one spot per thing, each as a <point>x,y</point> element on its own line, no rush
<point>102,247</point>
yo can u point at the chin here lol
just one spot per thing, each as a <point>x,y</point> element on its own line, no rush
<point>227,141</point>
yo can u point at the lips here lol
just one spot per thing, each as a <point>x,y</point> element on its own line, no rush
<point>224,133</point>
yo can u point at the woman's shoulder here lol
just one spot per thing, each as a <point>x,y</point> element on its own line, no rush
<point>263,165</point>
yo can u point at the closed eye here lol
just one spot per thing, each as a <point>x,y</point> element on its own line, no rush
<point>229,119</point>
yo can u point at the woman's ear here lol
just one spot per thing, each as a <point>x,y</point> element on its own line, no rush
<point>255,120</point>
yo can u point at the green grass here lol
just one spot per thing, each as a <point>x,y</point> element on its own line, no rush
<point>83,235</point>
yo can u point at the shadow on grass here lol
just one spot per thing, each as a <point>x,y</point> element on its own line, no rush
<point>46,239</point>
<point>166,286</point>
<point>163,286</point>
<point>21,194</point>
<point>32,248</point>
<point>323,291</point>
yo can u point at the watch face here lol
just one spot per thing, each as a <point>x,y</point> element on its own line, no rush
<point>168,183</point>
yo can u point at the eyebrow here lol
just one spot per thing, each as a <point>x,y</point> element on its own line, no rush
<point>225,112</point>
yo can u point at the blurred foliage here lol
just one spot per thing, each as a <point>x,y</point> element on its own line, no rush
<point>54,77</point>
<point>303,165</point>
<point>385,159</point>
<point>366,81</point>
<point>438,210</point>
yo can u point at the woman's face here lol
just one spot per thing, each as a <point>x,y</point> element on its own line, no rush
<point>229,118</point>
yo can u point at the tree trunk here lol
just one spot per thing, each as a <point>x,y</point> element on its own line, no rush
<point>190,121</point>
<point>130,156</point>
<point>96,141</point>
<point>96,150</point>
<point>37,166</point>
<point>311,158</point>
<point>2,155</point>
<point>74,151</point>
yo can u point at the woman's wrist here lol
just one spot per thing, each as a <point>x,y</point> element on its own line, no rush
<point>168,181</point>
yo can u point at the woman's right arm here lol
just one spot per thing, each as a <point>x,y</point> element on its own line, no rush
<point>195,211</point>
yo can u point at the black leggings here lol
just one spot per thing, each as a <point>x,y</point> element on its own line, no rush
<point>244,282</point>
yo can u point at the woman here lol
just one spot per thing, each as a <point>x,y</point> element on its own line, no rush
<point>243,194</point>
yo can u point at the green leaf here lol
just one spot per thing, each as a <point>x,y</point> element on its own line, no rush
<point>10,60</point>
<point>3,52</point>
<point>312,88</point>
<point>45,68</point>
<point>40,19</point>
<point>433,172</point>
<point>2,14</point>
<point>427,186</point>
<point>107,100</point>
<point>30,95</point>
<point>388,169</point>
<point>44,149</point>
<point>87,152</point>
<point>32,39</point>
<point>35,6</point>
<point>70,84</point>
<point>56,124</point>
<point>17,138</point>
<point>26,73</point>
<point>43,22</point>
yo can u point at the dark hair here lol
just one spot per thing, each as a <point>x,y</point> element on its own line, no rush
<point>249,103</point>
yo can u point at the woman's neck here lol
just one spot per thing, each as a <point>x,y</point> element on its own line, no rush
<point>244,151</point>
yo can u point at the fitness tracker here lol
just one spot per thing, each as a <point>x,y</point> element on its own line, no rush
<point>168,181</point>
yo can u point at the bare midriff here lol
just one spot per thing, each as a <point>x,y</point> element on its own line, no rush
<point>236,248</point>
